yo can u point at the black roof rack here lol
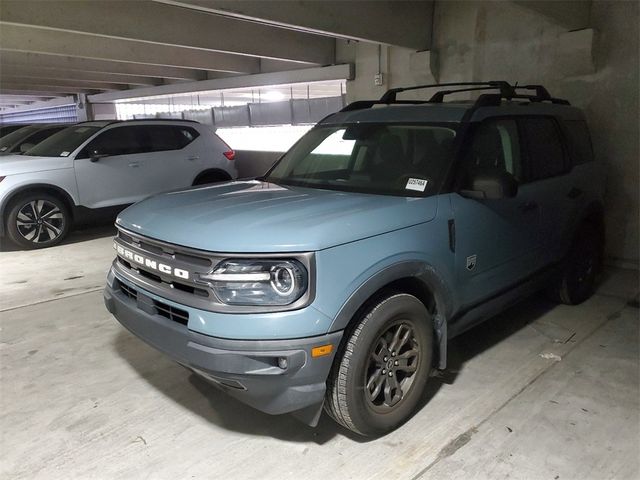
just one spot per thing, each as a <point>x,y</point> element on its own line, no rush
<point>505,89</point>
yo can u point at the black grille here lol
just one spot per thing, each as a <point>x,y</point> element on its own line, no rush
<point>172,313</point>
<point>128,291</point>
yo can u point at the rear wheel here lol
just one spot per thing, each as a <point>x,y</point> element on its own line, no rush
<point>37,220</point>
<point>378,381</point>
<point>578,279</point>
<point>211,177</point>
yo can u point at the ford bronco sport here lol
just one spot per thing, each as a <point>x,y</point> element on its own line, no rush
<point>338,278</point>
<point>94,167</point>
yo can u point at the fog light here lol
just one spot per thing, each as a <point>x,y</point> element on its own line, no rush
<point>282,363</point>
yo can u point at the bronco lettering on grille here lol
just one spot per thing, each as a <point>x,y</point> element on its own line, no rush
<point>150,264</point>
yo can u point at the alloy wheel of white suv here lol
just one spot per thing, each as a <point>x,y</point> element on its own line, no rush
<point>37,220</point>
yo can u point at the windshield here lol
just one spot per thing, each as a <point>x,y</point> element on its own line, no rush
<point>9,140</point>
<point>63,143</point>
<point>401,160</point>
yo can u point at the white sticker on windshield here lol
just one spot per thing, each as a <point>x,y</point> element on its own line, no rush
<point>417,184</point>
<point>65,154</point>
<point>81,129</point>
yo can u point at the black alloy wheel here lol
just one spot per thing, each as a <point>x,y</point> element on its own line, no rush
<point>383,365</point>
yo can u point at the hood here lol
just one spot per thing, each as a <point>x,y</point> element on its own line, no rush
<point>15,164</point>
<point>259,217</point>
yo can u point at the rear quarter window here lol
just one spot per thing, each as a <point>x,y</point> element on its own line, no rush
<point>168,137</point>
<point>545,148</point>
<point>580,141</point>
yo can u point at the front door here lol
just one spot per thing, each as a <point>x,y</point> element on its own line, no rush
<point>497,241</point>
<point>117,173</point>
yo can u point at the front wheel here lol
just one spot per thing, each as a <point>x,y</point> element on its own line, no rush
<point>378,381</point>
<point>37,220</point>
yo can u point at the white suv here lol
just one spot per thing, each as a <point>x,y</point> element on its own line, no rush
<point>92,166</point>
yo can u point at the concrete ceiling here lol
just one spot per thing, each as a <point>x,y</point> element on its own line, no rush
<point>56,48</point>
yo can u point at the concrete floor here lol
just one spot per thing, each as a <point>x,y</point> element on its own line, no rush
<point>542,391</point>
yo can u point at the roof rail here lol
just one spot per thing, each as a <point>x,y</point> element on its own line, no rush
<point>506,91</point>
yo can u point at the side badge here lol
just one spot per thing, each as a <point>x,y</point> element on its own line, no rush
<point>471,262</point>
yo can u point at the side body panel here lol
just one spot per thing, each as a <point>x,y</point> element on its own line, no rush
<point>565,202</point>
<point>61,178</point>
<point>420,251</point>
<point>497,243</point>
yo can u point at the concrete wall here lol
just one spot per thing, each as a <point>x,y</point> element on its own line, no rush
<point>596,69</point>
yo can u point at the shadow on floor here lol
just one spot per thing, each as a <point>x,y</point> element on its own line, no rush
<point>215,406</point>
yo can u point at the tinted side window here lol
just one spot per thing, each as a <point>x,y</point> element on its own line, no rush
<point>496,146</point>
<point>166,137</point>
<point>581,149</point>
<point>545,148</point>
<point>116,141</point>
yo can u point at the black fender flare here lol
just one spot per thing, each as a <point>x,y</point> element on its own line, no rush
<point>423,272</point>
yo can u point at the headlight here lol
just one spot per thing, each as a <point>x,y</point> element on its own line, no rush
<point>258,282</point>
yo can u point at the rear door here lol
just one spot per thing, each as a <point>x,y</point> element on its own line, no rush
<point>497,242</point>
<point>172,161</point>
<point>549,174</point>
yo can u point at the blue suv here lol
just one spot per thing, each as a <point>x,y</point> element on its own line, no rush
<point>392,226</point>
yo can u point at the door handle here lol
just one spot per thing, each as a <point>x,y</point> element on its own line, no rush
<point>193,157</point>
<point>527,206</point>
<point>574,193</point>
<point>134,164</point>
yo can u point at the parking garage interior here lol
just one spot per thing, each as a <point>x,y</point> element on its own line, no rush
<point>540,391</point>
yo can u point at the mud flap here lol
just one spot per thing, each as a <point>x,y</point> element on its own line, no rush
<point>309,415</point>
<point>440,329</point>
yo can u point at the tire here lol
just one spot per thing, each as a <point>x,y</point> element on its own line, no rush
<point>37,220</point>
<point>357,396</point>
<point>578,278</point>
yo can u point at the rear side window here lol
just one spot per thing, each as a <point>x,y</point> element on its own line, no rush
<point>581,149</point>
<point>545,148</point>
<point>159,138</point>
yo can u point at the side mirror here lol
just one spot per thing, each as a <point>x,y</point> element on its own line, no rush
<point>95,155</point>
<point>493,185</point>
<point>26,146</point>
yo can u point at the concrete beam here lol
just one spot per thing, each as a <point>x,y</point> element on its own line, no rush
<point>571,14</point>
<point>19,38</point>
<point>68,82</point>
<point>33,89</point>
<point>27,91</point>
<point>13,103</point>
<point>403,23</point>
<point>335,72</point>
<point>57,74</point>
<point>25,98</point>
<point>37,60</point>
<point>163,24</point>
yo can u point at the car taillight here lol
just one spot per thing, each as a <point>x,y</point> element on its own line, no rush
<point>230,154</point>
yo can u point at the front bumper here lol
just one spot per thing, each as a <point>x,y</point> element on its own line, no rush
<point>249,370</point>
